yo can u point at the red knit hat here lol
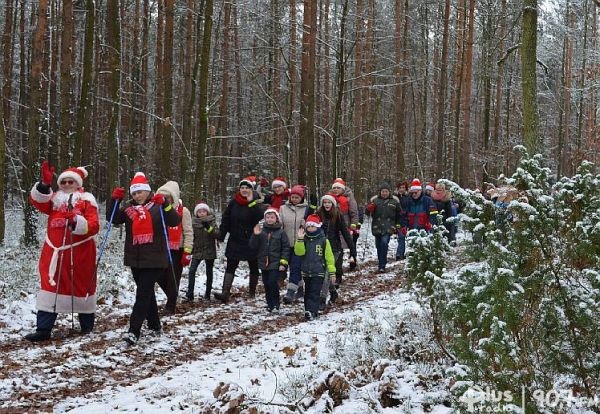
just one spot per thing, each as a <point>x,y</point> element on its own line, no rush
<point>313,220</point>
<point>75,173</point>
<point>139,183</point>
<point>415,185</point>
<point>279,181</point>
<point>298,190</point>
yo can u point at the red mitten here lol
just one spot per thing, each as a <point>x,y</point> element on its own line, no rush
<point>404,230</point>
<point>371,208</point>
<point>158,199</point>
<point>186,259</point>
<point>47,173</point>
<point>118,193</point>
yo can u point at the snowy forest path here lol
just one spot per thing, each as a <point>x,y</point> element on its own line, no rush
<point>72,365</point>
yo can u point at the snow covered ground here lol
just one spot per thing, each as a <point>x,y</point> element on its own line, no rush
<point>276,363</point>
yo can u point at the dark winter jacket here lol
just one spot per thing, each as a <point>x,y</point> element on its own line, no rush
<point>149,255</point>
<point>277,200</point>
<point>273,247</point>
<point>420,213</point>
<point>335,231</point>
<point>239,218</point>
<point>386,215</point>
<point>205,239</point>
<point>316,254</point>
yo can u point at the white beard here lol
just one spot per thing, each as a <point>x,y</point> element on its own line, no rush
<point>60,201</point>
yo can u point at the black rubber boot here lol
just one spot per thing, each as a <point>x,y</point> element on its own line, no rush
<point>38,336</point>
<point>227,283</point>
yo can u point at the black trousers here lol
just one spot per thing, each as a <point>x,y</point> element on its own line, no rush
<point>170,279</point>
<point>145,300</point>
<point>312,293</point>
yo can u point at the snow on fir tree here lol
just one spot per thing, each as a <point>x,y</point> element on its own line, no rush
<point>524,313</point>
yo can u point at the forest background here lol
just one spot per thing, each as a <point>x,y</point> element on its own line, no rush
<point>206,92</point>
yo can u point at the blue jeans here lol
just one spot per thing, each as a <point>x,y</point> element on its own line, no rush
<point>401,245</point>
<point>381,244</point>
<point>312,293</point>
<point>295,266</point>
<point>270,279</point>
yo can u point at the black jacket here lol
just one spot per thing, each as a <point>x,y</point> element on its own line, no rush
<point>239,220</point>
<point>149,255</point>
<point>272,245</point>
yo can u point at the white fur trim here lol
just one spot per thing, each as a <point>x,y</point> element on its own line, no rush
<point>414,188</point>
<point>139,187</point>
<point>201,206</point>
<point>429,188</point>
<point>272,210</point>
<point>45,302</point>
<point>70,174</point>
<point>81,227</point>
<point>40,197</point>
<point>313,224</point>
<point>330,198</point>
<point>276,183</point>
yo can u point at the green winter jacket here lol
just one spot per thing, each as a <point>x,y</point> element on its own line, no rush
<point>315,261</point>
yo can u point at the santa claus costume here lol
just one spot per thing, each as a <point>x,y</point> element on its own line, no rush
<point>67,264</point>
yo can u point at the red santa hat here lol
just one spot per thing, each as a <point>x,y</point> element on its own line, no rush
<point>338,183</point>
<point>330,198</point>
<point>201,206</point>
<point>313,220</point>
<point>139,182</point>
<point>77,174</point>
<point>415,185</point>
<point>429,187</point>
<point>279,181</point>
<point>250,181</point>
<point>271,210</point>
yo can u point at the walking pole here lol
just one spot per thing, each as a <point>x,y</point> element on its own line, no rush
<point>70,208</point>
<point>62,257</point>
<point>162,217</point>
<point>102,247</point>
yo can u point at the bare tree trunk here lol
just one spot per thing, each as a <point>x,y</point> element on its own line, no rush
<point>465,147</point>
<point>457,87</point>
<point>66,59</point>
<point>82,118</point>
<point>292,81</point>
<point>582,88</point>
<point>499,82</point>
<point>441,163</point>
<point>2,175</point>
<point>114,66</point>
<point>306,153</point>
<point>564,111</point>
<point>8,50</point>
<point>165,140</point>
<point>531,137</point>
<point>199,184</point>
<point>399,90</point>
<point>341,85</point>
<point>31,158</point>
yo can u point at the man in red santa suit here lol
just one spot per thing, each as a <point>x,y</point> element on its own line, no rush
<point>67,264</point>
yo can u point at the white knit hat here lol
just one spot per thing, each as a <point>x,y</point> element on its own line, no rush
<point>201,206</point>
<point>330,198</point>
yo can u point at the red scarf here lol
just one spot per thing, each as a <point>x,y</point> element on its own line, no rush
<point>141,224</point>
<point>176,232</point>
<point>242,201</point>
<point>342,203</point>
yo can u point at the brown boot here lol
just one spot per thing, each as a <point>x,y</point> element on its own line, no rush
<point>252,286</point>
<point>227,282</point>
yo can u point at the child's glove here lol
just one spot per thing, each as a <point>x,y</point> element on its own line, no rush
<point>186,259</point>
<point>371,208</point>
<point>159,199</point>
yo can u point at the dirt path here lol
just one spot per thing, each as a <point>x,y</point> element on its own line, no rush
<point>36,377</point>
